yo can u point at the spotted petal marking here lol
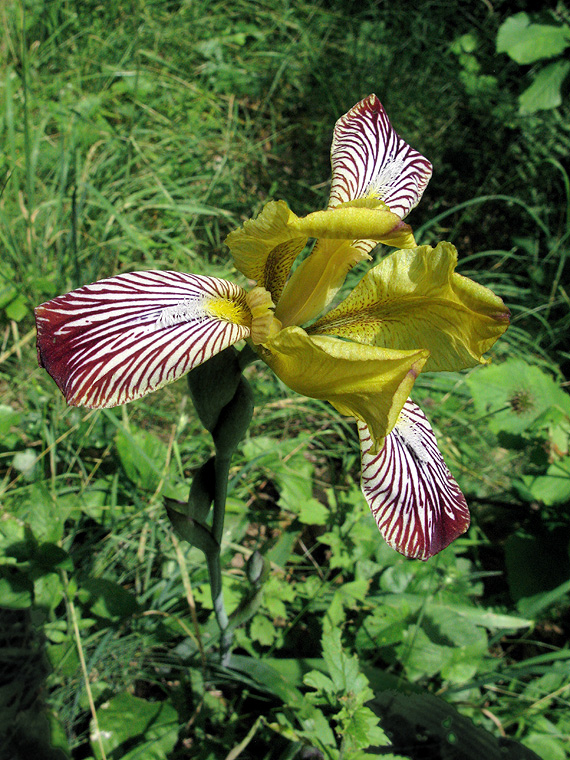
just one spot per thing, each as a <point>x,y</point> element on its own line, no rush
<point>121,338</point>
<point>369,158</point>
<point>414,498</point>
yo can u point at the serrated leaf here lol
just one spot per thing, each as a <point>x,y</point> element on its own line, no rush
<point>545,91</point>
<point>363,730</point>
<point>262,630</point>
<point>344,671</point>
<point>526,43</point>
<point>319,681</point>
<point>312,512</point>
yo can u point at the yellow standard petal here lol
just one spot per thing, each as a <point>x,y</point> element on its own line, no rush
<point>370,384</point>
<point>344,235</point>
<point>414,299</point>
<point>265,248</point>
<point>349,221</point>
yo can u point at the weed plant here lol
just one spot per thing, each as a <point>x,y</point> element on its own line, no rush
<point>137,134</point>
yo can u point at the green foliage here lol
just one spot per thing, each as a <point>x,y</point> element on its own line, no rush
<point>526,43</point>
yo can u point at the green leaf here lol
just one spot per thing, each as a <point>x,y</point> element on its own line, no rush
<point>8,417</point>
<point>312,512</point>
<point>421,656</point>
<point>363,731</point>
<point>15,589</point>
<point>17,309</point>
<point>262,630</point>
<point>553,487</point>
<point>108,599</point>
<point>347,595</point>
<point>545,91</point>
<point>142,456</point>
<point>384,627</point>
<point>269,678</point>
<point>134,729</point>
<point>546,746</point>
<point>317,680</point>
<point>343,670</point>
<point>526,43</point>
<point>513,395</point>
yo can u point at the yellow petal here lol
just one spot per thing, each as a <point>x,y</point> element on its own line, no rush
<point>370,384</point>
<point>413,299</point>
<point>347,222</point>
<point>265,248</point>
<point>316,281</point>
<point>345,236</point>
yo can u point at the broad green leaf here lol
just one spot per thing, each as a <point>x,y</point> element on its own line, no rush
<point>8,418</point>
<point>312,512</point>
<point>319,681</point>
<point>262,630</point>
<point>270,678</point>
<point>545,91</point>
<point>347,595</point>
<point>17,309</point>
<point>546,746</point>
<point>48,591</point>
<point>492,621</point>
<point>466,660</point>
<point>107,599</point>
<point>526,43</point>
<point>420,656</point>
<point>513,395</point>
<point>15,589</point>
<point>142,730</point>
<point>553,487</point>
<point>383,628</point>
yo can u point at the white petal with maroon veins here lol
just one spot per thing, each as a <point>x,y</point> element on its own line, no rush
<point>121,338</point>
<point>369,158</point>
<point>418,506</point>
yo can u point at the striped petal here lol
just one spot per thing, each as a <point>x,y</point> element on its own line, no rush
<point>418,506</point>
<point>370,159</point>
<point>121,338</point>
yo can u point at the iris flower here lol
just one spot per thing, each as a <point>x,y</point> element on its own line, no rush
<point>118,339</point>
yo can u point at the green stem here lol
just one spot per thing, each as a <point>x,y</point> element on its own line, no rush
<point>246,356</point>
<point>222,469</point>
